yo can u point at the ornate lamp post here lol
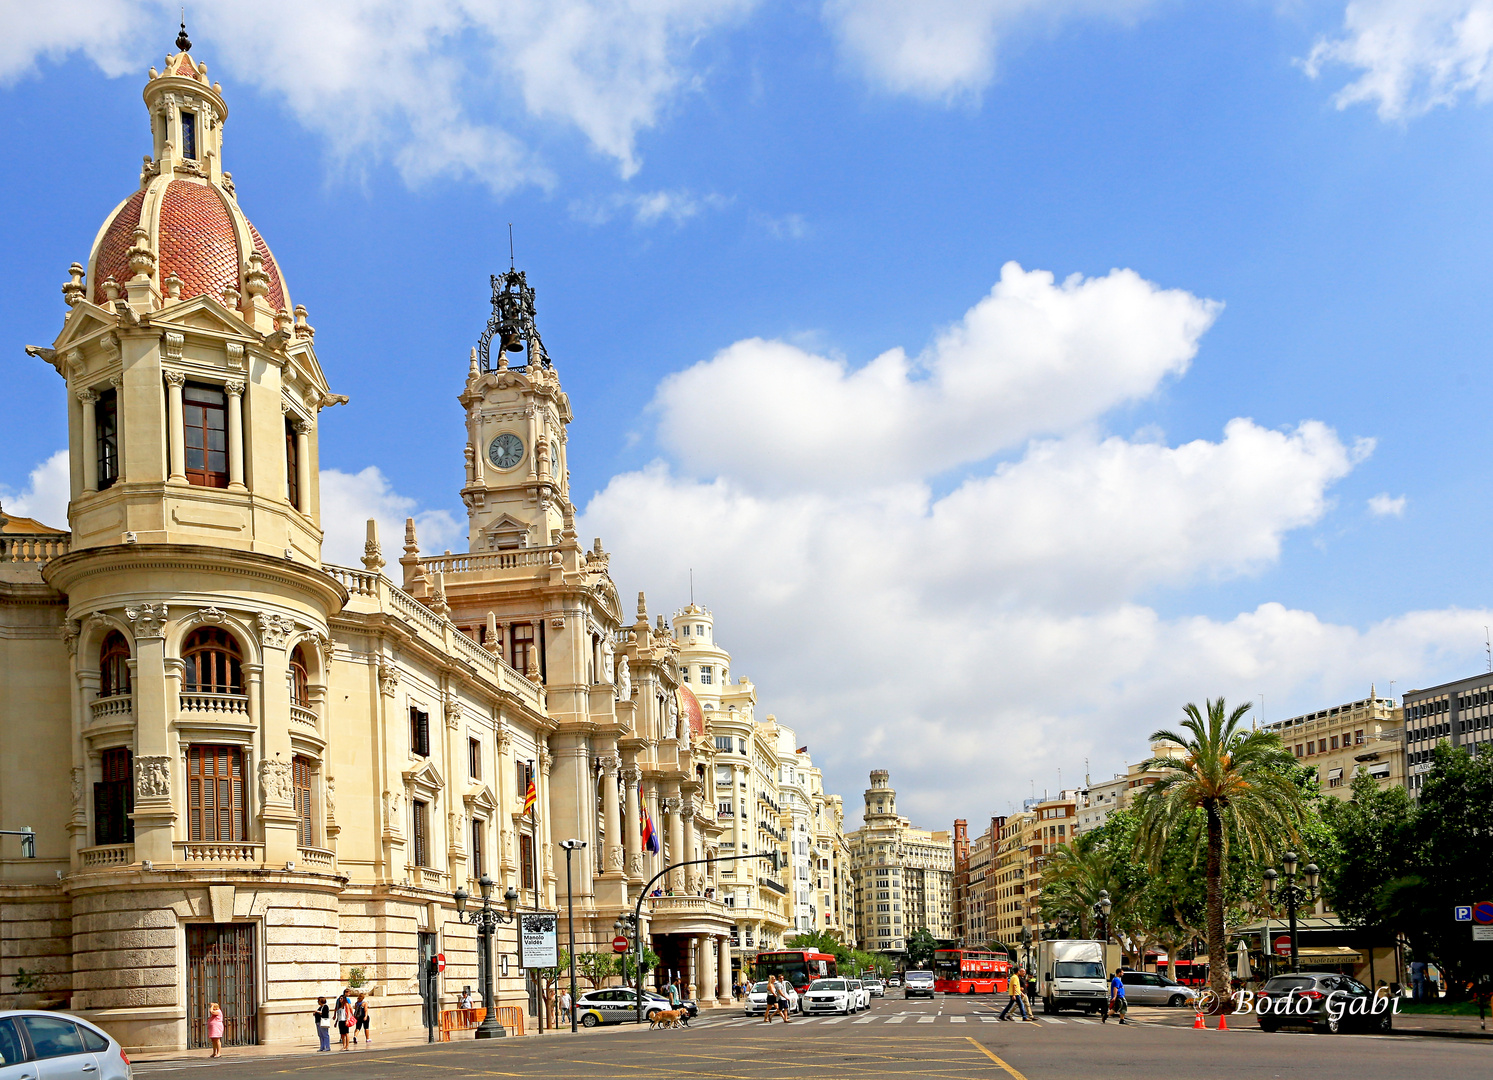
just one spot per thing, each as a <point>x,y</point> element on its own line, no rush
<point>487,919</point>
<point>1101,914</point>
<point>571,847</point>
<point>1293,894</point>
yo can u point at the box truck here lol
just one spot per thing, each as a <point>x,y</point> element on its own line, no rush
<point>1075,974</point>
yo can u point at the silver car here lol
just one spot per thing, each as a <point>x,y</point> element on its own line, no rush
<point>56,1046</point>
<point>1150,988</point>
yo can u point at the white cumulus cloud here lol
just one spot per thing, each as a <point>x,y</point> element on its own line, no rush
<point>348,500</point>
<point>1384,505</point>
<point>946,49</point>
<point>1411,55</point>
<point>46,494</point>
<point>439,87</point>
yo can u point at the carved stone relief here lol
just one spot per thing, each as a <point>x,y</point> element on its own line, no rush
<point>149,620</point>
<point>274,629</point>
<point>152,777</point>
<point>274,780</point>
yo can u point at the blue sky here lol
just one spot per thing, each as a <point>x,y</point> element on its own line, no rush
<point>729,209</point>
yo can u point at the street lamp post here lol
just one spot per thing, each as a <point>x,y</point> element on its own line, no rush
<point>570,847</point>
<point>1293,894</point>
<point>487,919</point>
<point>1101,914</point>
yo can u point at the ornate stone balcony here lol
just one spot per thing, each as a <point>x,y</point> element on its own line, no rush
<point>219,854</point>
<point>220,706</point>
<point>117,707</point>
<point>317,859</point>
<point>302,715</point>
<point>107,855</point>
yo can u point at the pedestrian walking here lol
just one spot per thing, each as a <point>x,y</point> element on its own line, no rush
<point>1014,997</point>
<point>1117,1003</point>
<point>323,1017</point>
<point>565,1006</point>
<point>342,1015</point>
<point>772,999</point>
<point>360,1020</point>
<point>215,1029</point>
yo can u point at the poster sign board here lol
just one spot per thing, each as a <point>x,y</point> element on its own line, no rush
<point>538,940</point>
<point>1482,933</point>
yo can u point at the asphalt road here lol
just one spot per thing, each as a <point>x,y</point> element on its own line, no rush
<point>945,1039</point>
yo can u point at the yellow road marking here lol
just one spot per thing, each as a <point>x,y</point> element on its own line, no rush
<point>1015,1074</point>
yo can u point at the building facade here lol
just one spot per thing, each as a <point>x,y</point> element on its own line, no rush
<point>904,876</point>
<point>247,768</point>
<point>1366,736</point>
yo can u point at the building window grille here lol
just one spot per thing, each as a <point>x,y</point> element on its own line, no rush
<point>526,860</point>
<point>478,869</point>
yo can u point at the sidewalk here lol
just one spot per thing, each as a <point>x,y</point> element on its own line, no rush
<point>308,1046</point>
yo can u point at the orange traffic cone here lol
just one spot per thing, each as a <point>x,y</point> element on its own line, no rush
<point>1223,1022</point>
<point>1197,1022</point>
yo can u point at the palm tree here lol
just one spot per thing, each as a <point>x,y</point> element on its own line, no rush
<point>1073,877</point>
<point>1227,786</point>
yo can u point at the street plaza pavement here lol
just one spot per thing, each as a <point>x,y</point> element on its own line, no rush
<point>946,1039</point>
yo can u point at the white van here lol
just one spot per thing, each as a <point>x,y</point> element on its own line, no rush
<point>917,984</point>
<point>1074,974</point>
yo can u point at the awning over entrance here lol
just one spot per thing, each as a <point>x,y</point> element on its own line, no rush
<point>1332,954</point>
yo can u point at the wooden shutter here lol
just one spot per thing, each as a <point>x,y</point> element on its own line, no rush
<point>114,799</point>
<point>217,809</point>
<point>301,779</point>
<point>419,732</point>
<point>421,822</point>
<point>477,827</point>
<point>526,860</point>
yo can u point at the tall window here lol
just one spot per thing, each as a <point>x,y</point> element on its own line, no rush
<point>526,860</point>
<point>114,798</point>
<point>292,465</point>
<point>188,134</point>
<point>520,645</point>
<point>474,759</point>
<point>478,825</point>
<point>217,806</point>
<point>706,674</point>
<point>299,681</point>
<point>205,414</point>
<point>300,769</point>
<point>106,437</point>
<point>420,813</point>
<point>419,733</point>
<point>213,662</point>
<point>114,665</point>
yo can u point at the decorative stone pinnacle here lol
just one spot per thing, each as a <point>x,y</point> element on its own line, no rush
<point>373,557</point>
<point>73,291</point>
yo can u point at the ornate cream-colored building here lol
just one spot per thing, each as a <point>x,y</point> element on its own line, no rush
<point>904,876</point>
<point>253,776</point>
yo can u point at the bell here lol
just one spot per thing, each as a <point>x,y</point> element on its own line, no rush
<point>511,340</point>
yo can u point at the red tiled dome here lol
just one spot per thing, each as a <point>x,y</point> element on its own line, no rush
<point>194,239</point>
<point>691,706</point>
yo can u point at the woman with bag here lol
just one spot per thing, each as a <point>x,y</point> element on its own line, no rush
<point>343,1015</point>
<point>323,1016</point>
<point>360,1021</point>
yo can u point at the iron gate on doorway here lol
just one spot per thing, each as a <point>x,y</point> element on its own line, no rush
<point>220,967</point>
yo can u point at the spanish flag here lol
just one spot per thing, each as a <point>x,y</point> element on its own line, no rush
<point>650,834</point>
<point>531,797</point>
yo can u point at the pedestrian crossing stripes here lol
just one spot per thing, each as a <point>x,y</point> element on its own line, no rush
<point>1052,1020</point>
<point>900,1018</point>
<point>895,1019</point>
<point>926,1019</point>
<point>956,1019</point>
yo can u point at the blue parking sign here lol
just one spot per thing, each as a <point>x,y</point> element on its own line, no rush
<point>1464,912</point>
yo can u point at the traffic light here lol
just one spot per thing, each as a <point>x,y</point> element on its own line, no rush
<point>28,842</point>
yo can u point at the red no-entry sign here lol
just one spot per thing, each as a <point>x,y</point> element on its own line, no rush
<point>1283,945</point>
<point>619,944</point>
<point>1482,912</point>
<point>440,961</point>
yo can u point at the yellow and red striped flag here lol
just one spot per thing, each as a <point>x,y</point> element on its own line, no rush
<point>531,797</point>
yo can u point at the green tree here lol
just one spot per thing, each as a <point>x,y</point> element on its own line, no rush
<point>627,965</point>
<point>920,948</point>
<point>1375,833</point>
<point>595,967</point>
<point>1232,790</point>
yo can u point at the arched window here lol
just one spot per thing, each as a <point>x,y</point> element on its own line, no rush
<point>114,665</point>
<point>213,663</point>
<point>299,680</point>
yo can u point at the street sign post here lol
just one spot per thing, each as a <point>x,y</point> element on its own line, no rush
<point>1283,945</point>
<point>1482,933</point>
<point>538,940</point>
<point>440,961</point>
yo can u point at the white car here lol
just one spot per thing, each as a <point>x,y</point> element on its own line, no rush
<point>876,988</point>
<point>862,995</point>
<point>58,1045</point>
<point>756,1000</point>
<point>829,996</point>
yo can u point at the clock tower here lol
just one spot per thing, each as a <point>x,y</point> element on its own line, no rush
<point>517,489</point>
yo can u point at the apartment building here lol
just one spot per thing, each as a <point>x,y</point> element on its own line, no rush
<point>904,876</point>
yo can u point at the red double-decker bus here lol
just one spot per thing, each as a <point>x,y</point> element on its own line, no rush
<point>799,966</point>
<point>970,971</point>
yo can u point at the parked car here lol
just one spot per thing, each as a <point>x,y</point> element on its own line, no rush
<point>617,1004</point>
<point>917,984</point>
<point>829,996</point>
<point>876,988</point>
<point>59,1047</point>
<point>1152,988</point>
<point>1324,1001</point>
<point>862,995</point>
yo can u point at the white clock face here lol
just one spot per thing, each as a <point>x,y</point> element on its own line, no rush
<point>506,451</point>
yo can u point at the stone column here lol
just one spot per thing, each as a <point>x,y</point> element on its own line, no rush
<point>175,425</point>
<point>687,833</point>
<point>271,711</point>
<point>235,391</point>
<point>707,993</point>
<point>610,768</point>
<point>89,441</point>
<point>723,953</point>
<point>303,464</point>
<point>676,836</point>
<point>157,781</point>
<point>631,832</point>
